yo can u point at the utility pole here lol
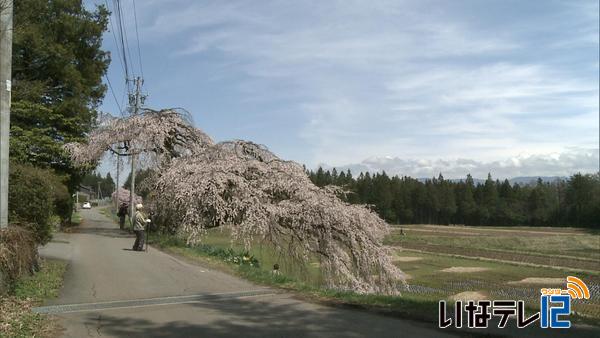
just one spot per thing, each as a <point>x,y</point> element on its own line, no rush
<point>136,108</point>
<point>6,31</point>
<point>117,184</point>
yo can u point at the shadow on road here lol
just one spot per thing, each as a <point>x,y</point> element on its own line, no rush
<point>251,318</point>
<point>107,232</point>
<point>282,318</point>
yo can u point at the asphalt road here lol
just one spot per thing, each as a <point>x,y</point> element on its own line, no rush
<point>111,291</point>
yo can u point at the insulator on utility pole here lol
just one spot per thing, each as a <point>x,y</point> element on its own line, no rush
<point>6,31</point>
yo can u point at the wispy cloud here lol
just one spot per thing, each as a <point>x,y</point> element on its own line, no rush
<point>576,160</point>
<point>340,81</point>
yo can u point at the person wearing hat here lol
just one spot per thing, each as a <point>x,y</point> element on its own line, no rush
<point>139,228</point>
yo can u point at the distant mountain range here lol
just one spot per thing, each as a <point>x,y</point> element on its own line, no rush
<point>522,180</point>
<point>518,169</point>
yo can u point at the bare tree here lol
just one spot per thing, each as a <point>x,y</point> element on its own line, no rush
<point>243,186</point>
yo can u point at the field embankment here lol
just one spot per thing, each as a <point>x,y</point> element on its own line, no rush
<point>498,263</point>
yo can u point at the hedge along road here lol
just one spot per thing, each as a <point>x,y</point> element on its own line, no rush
<point>111,291</point>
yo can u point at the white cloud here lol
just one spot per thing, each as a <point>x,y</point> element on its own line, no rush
<point>407,79</point>
<point>552,164</point>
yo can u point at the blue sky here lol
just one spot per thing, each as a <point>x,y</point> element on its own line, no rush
<point>497,83</point>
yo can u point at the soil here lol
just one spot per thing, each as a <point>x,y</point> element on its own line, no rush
<point>469,295</point>
<point>507,256</point>
<point>407,258</point>
<point>540,280</point>
<point>465,269</point>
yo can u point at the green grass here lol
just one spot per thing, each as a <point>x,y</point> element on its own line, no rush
<point>268,256</point>
<point>495,282</point>
<point>76,218</point>
<point>427,270</point>
<point>109,212</point>
<point>17,319</point>
<point>425,273</point>
<point>547,242</point>
<point>580,246</point>
<point>418,307</point>
<point>45,284</point>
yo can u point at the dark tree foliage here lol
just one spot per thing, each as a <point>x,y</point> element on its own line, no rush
<point>404,200</point>
<point>57,72</point>
<point>140,177</point>
<point>95,181</point>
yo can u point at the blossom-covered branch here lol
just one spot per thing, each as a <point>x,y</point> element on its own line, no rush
<point>122,196</point>
<point>157,135</point>
<point>243,186</point>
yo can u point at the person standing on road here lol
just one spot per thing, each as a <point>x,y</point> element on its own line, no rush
<point>122,213</point>
<point>139,227</point>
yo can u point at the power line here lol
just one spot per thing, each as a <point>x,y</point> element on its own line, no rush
<point>113,93</point>
<point>118,15</point>
<point>123,50</point>
<point>112,29</point>
<point>137,96</point>
<point>121,61</point>
<point>137,36</point>
<point>126,42</point>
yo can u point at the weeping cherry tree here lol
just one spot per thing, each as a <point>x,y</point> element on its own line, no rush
<point>237,184</point>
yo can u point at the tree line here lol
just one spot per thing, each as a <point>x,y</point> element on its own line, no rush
<point>95,182</point>
<point>574,201</point>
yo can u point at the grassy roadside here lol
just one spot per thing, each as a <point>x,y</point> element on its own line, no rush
<point>108,212</point>
<point>422,308</point>
<point>428,279</point>
<point>76,218</point>
<point>415,306</point>
<point>16,318</point>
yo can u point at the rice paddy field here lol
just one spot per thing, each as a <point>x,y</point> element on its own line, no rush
<point>457,262</point>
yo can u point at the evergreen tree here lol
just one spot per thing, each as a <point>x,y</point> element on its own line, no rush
<point>341,181</point>
<point>57,70</point>
<point>536,205</point>
<point>467,205</point>
<point>575,202</point>
<point>583,199</point>
<point>107,185</point>
<point>489,201</point>
<point>447,201</point>
<point>327,179</point>
<point>319,177</point>
<point>334,176</point>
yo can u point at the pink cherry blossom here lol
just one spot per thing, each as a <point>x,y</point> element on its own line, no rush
<point>124,197</point>
<point>198,185</point>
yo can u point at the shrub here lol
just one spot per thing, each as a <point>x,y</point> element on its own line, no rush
<point>34,195</point>
<point>228,255</point>
<point>18,255</point>
<point>63,203</point>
